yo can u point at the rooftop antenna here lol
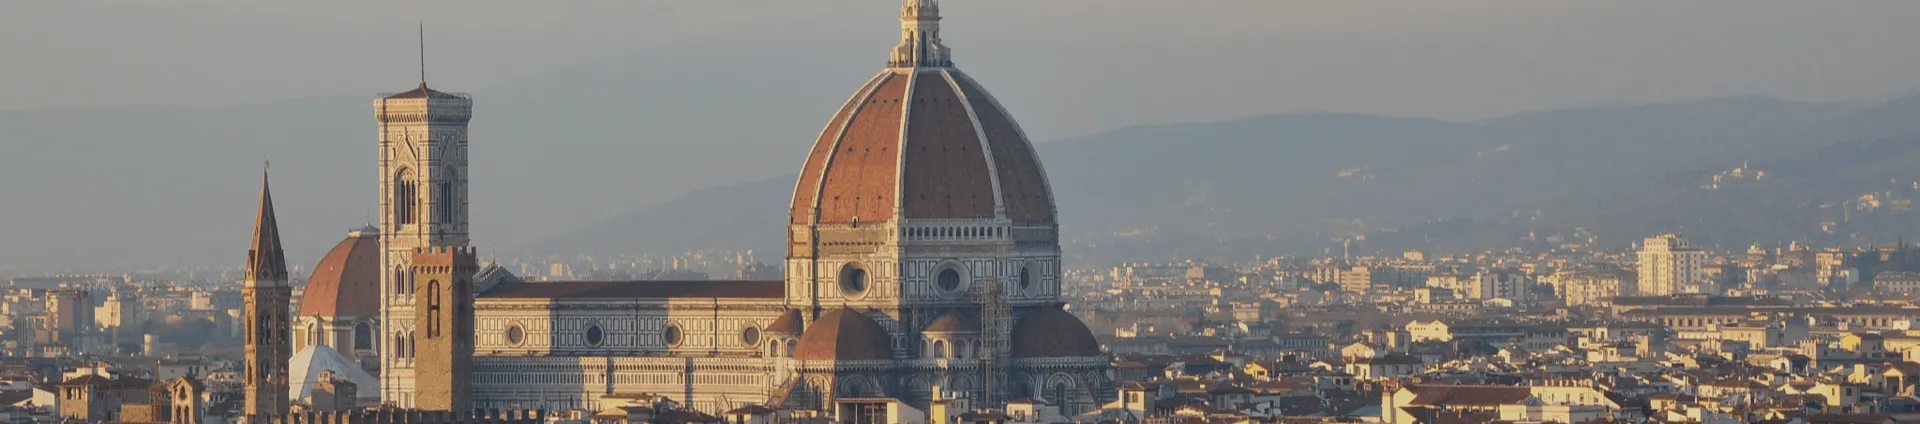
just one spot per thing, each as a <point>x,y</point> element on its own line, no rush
<point>423,55</point>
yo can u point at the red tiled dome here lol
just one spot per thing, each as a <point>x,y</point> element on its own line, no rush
<point>927,142</point>
<point>843,335</point>
<point>1053,333</point>
<point>347,281</point>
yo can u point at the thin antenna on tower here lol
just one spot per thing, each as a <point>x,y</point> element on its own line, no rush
<point>423,55</point>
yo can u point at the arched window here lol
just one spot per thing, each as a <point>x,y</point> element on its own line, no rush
<point>433,309</point>
<point>363,336</point>
<point>313,335</point>
<point>410,346</point>
<point>399,280</point>
<point>399,344</point>
<point>939,349</point>
<point>446,202</point>
<point>405,194</point>
<point>792,345</point>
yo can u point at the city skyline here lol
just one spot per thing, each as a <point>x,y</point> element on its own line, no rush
<point>1725,260</point>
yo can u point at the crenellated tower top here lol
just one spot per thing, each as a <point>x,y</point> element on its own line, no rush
<point>920,37</point>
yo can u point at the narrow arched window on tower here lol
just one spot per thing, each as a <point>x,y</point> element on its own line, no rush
<point>433,309</point>
<point>404,197</point>
<point>445,202</point>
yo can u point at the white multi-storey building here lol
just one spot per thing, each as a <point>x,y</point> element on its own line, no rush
<point>1669,266</point>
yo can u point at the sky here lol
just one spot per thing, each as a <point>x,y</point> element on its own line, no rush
<point>1065,68</point>
<point>1460,59</point>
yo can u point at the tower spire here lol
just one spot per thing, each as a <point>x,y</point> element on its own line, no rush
<point>423,55</point>
<point>920,37</point>
<point>268,298</point>
<point>266,262</point>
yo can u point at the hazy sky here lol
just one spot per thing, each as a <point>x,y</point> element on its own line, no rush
<point>1064,67</point>
<point>1452,59</point>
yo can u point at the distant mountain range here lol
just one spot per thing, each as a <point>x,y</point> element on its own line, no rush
<point>613,157</point>
<point>1301,183</point>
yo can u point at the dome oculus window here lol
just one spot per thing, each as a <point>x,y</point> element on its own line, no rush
<point>948,279</point>
<point>595,336</point>
<point>1026,277</point>
<point>672,335</point>
<point>515,334</point>
<point>750,336</point>
<point>853,280</point>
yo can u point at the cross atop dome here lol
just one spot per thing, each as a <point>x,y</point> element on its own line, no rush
<point>920,37</point>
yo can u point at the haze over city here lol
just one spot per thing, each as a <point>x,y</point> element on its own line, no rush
<point>629,104</point>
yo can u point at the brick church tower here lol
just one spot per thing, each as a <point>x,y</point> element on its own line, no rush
<point>268,298</point>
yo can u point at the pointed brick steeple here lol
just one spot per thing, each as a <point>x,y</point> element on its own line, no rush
<point>266,263</point>
<point>269,302</point>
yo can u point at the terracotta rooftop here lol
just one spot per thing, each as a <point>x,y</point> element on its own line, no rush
<point>788,323</point>
<point>1469,395</point>
<point>638,290</point>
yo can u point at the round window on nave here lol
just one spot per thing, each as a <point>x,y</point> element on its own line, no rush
<point>853,280</point>
<point>595,336</point>
<point>672,335</point>
<point>515,334</point>
<point>949,279</point>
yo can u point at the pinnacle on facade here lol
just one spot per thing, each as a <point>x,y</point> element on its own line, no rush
<point>266,262</point>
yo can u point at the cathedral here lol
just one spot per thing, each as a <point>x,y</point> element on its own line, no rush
<point>923,266</point>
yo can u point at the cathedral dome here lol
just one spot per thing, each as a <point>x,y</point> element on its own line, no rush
<point>843,335</point>
<point>1053,333</point>
<point>921,140</point>
<point>347,281</point>
<point>951,322</point>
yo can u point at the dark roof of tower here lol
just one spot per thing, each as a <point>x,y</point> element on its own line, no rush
<point>422,93</point>
<point>347,281</point>
<point>265,259</point>
<point>952,322</point>
<point>1051,332</point>
<point>926,142</point>
<point>788,323</point>
<point>843,335</point>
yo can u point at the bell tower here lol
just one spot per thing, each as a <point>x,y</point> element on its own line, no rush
<point>268,302</point>
<point>423,204</point>
<point>443,327</point>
